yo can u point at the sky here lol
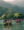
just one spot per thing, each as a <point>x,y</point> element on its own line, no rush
<point>5,3</point>
<point>11,3</point>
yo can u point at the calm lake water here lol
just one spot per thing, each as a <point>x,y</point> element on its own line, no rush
<point>14,27</point>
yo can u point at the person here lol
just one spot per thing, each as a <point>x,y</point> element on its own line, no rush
<point>10,21</point>
<point>17,20</point>
<point>6,23</point>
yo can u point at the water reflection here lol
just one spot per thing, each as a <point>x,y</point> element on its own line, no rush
<point>12,26</point>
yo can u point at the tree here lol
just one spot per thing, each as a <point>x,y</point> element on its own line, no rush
<point>20,14</point>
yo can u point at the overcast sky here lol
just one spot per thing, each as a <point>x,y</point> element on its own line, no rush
<point>13,2</point>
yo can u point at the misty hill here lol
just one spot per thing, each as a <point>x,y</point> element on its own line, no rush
<point>14,9</point>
